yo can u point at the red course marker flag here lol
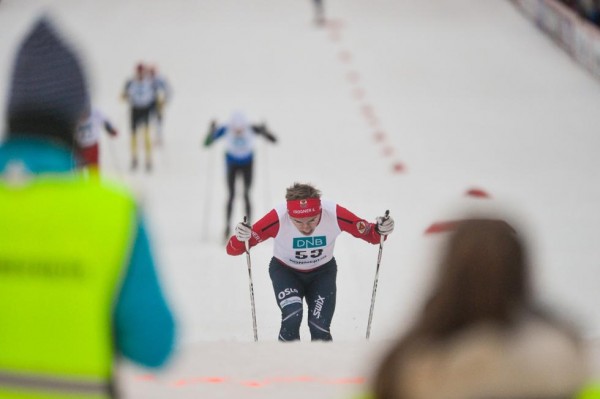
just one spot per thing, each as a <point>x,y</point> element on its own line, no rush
<point>399,167</point>
<point>477,193</point>
<point>441,227</point>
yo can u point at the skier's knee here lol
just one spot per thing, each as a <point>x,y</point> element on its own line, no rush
<point>291,317</point>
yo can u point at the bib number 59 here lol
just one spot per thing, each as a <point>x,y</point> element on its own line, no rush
<point>315,253</point>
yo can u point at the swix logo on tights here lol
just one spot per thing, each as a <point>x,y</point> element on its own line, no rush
<point>319,301</point>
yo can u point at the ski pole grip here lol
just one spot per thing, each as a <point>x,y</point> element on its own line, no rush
<point>382,238</point>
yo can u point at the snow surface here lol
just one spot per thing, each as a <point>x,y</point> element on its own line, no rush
<point>399,105</point>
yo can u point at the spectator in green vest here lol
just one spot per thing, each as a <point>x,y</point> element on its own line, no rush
<point>78,282</point>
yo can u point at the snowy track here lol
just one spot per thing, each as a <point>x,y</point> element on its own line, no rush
<point>400,105</point>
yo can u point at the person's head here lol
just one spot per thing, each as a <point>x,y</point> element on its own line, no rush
<point>48,90</point>
<point>140,71</point>
<point>304,207</point>
<point>238,122</point>
<point>483,276</point>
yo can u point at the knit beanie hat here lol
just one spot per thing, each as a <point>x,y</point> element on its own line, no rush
<point>238,120</point>
<point>48,93</point>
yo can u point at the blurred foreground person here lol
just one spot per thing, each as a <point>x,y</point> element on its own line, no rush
<point>140,94</point>
<point>239,135</point>
<point>78,284</point>
<point>303,267</point>
<point>480,334</point>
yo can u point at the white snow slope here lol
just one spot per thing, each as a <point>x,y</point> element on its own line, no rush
<point>399,105</point>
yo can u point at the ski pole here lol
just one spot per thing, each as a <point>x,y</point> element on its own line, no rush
<point>387,213</point>
<point>247,244</point>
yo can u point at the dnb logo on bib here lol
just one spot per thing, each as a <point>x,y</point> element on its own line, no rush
<point>309,242</point>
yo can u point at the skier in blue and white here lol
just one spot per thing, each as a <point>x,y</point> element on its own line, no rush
<point>239,135</point>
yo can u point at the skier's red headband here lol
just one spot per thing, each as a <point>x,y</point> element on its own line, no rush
<point>304,208</point>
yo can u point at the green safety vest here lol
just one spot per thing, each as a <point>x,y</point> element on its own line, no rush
<point>64,242</point>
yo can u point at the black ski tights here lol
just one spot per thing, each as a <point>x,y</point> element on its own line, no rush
<point>232,172</point>
<point>316,287</point>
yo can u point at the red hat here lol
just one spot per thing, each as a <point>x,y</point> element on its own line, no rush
<point>304,208</point>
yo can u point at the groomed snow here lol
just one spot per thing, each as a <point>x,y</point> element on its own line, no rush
<point>399,105</point>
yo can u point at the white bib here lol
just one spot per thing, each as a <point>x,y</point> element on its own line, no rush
<point>140,92</point>
<point>239,145</point>
<point>302,252</point>
<point>88,131</point>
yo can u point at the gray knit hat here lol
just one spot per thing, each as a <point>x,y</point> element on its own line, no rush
<point>48,93</point>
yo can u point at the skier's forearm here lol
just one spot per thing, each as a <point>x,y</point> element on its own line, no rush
<point>213,133</point>
<point>235,247</point>
<point>270,137</point>
<point>110,129</point>
<point>262,130</point>
<point>358,227</point>
<point>209,138</point>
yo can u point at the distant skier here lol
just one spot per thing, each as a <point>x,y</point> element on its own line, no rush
<point>162,95</point>
<point>239,135</point>
<point>319,12</point>
<point>139,92</point>
<point>304,229</point>
<point>88,137</point>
